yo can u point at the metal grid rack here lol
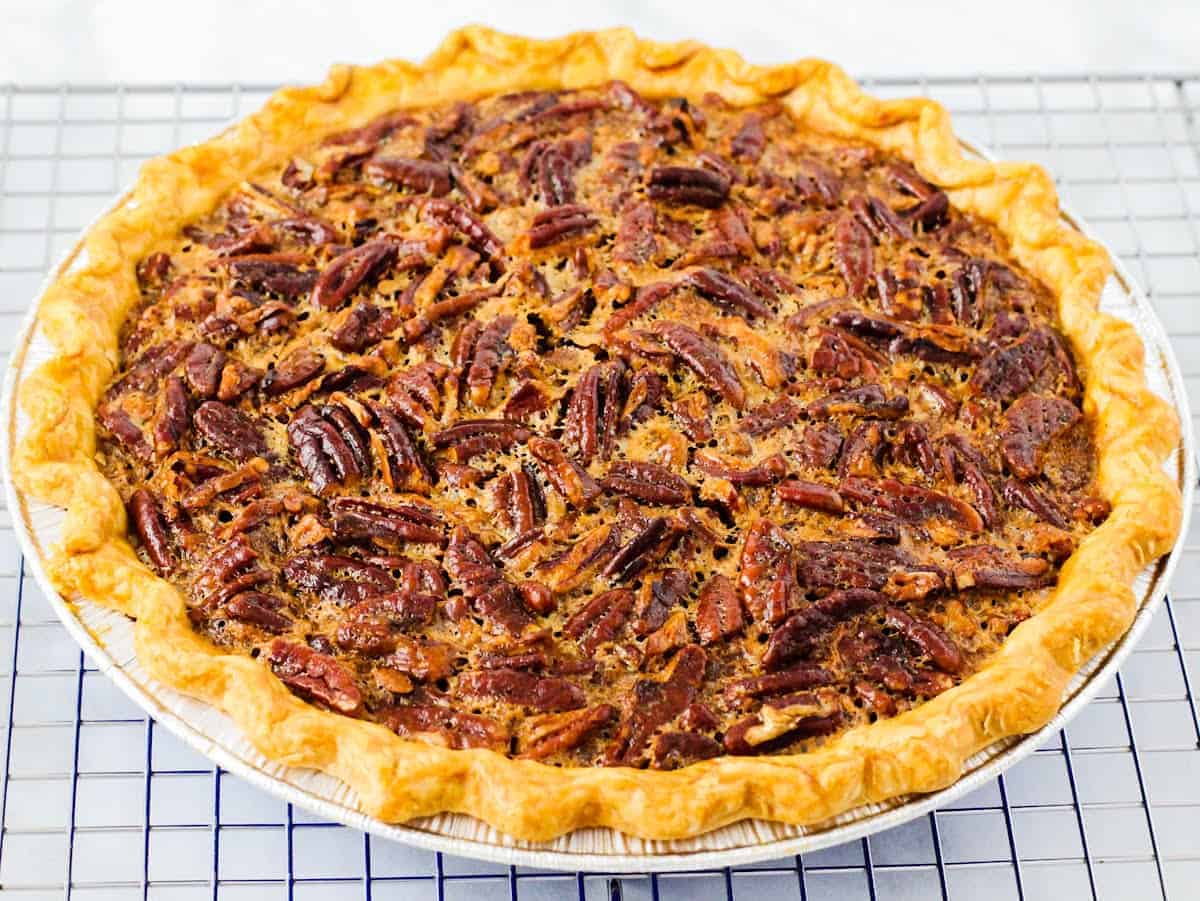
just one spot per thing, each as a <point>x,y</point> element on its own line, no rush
<point>98,803</point>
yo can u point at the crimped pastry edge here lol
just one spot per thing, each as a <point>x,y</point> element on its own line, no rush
<point>1017,691</point>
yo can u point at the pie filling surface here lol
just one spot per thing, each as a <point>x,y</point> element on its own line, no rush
<point>600,430</point>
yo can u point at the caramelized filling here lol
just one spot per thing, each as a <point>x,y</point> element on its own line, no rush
<point>600,430</point>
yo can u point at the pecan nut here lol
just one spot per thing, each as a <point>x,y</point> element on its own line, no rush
<point>719,610</point>
<point>315,675</point>
<point>421,176</point>
<point>332,449</point>
<point>523,689</point>
<point>654,703</point>
<point>705,359</point>
<point>1030,424</point>
<point>767,573</point>
<point>348,272</point>
<point>684,185</point>
<point>148,520</point>
<point>556,733</point>
<point>647,482</point>
<point>445,726</point>
<point>229,430</point>
<point>559,223</point>
<point>386,524</point>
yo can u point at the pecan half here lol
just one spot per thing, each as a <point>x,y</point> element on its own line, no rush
<point>229,430</point>
<point>421,176</point>
<point>482,582</point>
<point>386,524</point>
<point>523,689</point>
<point>494,434</point>
<point>278,273</point>
<point>544,736</point>
<point>911,447</point>
<point>399,608</point>
<point>869,400</point>
<point>593,413</point>
<point>348,272</point>
<point>422,659</point>
<point>965,464</point>
<point>518,501</point>
<point>445,726</point>
<point>912,502</point>
<point>672,750</point>
<point>297,368</point>
<point>560,222</point>
<point>400,460</point>
<point>750,140</point>
<point>600,619</point>
<point>260,610</point>
<point>797,678</point>
<point>332,449</point>
<point>647,482</point>
<point>173,419</point>
<point>727,293</point>
<point>853,564</point>
<point>937,344</point>
<point>315,675</point>
<point>203,367</point>
<point>932,641</point>
<point>820,444</point>
<point>478,235</point>
<point>635,242</point>
<point>767,573</point>
<point>651,539</point>
<point>490,347</point>
<point>719,610</point>
<point>871,328</point>
<point>1022,494</point>
<point>986,566</point>
<point>796,637</point>
<point>854,255</point>
<point>654,703</point>
<point>683,185</point>
<point>1009,371</point>
<point>770,417</point>
<point>148,520</point>
<point>704,358</point>
<point>812,495</point>
<point>566,476</point>
<point>1030,424</point>
<point>338,578</point>
<point>765,472</point>
<point>840,354</point>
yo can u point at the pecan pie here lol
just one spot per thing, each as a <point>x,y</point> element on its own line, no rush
<point>581,411</point>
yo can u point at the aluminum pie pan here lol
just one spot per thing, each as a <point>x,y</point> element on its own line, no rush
<point>107,639</point>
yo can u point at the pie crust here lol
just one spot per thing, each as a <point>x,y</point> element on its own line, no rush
<point>1017,690</point>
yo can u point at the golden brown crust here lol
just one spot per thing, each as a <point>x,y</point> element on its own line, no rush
<point>1017,691</point>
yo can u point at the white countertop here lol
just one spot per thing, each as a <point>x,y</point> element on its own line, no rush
<point>50,41</point>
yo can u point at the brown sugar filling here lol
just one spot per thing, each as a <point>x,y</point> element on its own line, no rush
<point>601,430</point>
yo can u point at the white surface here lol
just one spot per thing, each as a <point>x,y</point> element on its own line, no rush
<point>296,40</point>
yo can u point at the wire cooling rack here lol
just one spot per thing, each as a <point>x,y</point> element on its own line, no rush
<point>98,803</point>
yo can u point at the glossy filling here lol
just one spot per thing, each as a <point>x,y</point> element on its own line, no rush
<point>600,430</point>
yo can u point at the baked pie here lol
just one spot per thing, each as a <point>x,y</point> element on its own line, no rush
<point>598,432</point>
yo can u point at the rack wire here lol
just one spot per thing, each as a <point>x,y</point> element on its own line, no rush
<point>98,803</point>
